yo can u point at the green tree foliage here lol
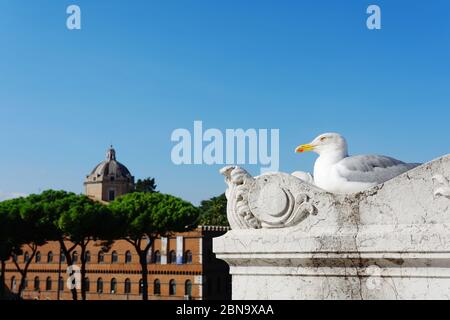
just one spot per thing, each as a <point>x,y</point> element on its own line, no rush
<point>75,220</point>
<point>214,211</point>
<point>72,220</point>
<point>146,185</point>
<point>52,205</point>
<point>146,216</point>
<point>85,221</point>
<point>27,227</point>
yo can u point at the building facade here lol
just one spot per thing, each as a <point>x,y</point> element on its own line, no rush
<point>181,266</point>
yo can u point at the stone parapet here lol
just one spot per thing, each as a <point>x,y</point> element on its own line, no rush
<point>292,240</point>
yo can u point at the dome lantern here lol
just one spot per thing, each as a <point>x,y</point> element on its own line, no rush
<point>111,154</point>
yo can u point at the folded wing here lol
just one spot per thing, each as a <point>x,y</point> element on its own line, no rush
<point>372,168</point>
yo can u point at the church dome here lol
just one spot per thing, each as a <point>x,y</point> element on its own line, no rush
<point>110,168</point>
<point>109,179</point>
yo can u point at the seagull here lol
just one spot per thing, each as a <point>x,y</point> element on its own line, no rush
<point>337,172</point>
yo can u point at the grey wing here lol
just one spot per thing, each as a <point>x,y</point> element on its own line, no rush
<point>372,168</point>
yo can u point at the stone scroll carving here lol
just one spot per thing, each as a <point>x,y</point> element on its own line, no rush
<point>267,201</point>
<point>278,200</point>
<point>238,211</point>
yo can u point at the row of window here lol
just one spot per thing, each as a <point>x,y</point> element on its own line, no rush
<point>112,287</point>
<point>128,284</point>
<point>156,257</point>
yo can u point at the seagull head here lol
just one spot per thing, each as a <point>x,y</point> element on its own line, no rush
<point>325,143</point>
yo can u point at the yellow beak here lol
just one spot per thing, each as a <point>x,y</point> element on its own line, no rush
<point>304,147</point>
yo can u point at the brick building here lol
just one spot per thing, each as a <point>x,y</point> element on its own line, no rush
<point>181,266</point>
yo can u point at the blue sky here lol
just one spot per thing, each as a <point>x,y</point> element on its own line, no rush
<point>140,69</point>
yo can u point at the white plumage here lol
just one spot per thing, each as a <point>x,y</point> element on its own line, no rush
<point>337,172</point>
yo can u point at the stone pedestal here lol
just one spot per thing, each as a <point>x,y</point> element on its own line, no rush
<point>291,240</point>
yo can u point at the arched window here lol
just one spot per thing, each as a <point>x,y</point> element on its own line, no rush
<point>62,257</point>
<point>49,257</point>
<point>61,284</point>
<point>87,284</point>
<point>48,284</point>
<point>172,257</point>
<point>101,257</point>
<point>157,257</point>
<point>141,286</point>
<point>188,256</point>
<point>14,257</point>
<point>127,286</point>
<point>188,288</point>
<point>99,285</point>
<point>128,257</point>
<point>13,284</point>
<point>87,256</point>
<point>37,257</point>
<point>37,284</point>
<point>114,257</point>
<point>26,257</point>
<point>113,285</point>
<point>74,257</point>
<point>156,287</point>
<point>172,287</point>
<point>25,283</point>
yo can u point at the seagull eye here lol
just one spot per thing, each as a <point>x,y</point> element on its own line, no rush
<point>323,139</point>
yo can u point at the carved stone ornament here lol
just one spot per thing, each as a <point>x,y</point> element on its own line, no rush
<point>267,201</point>
<point>278,200</point>
<point>292,240</point>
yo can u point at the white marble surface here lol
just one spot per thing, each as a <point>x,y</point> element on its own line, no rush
<point>291,240</point>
